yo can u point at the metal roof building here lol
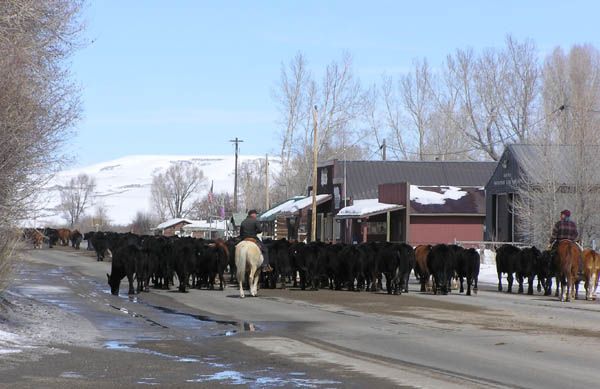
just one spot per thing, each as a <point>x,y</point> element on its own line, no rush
<point>363,177</point>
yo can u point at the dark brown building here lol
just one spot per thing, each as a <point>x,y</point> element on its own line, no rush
<point>454,208</point>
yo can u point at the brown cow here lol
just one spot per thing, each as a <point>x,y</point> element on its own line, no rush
<point>591,271</point>
<point>64,234</point>
<point>37,238</point>
<point>421,269</point>
<point>567,260</point>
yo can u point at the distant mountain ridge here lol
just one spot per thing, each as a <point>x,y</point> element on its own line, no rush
<point>123,184</point>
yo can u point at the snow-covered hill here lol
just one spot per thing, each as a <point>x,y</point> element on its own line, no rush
<point>123,185</point>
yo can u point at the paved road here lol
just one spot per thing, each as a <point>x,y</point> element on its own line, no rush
<point>489,340</point>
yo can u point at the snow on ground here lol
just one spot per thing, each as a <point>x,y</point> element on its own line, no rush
<point>123,184</point>
<point>427,197</point>
<point>10,343</point>
<point>487,268</point>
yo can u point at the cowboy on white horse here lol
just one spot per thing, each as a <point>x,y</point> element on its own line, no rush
<point>248,256</point>
<point>249,229</point>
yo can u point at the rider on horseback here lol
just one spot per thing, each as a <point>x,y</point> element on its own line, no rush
<point>250,228</point>
<point>564,229</point>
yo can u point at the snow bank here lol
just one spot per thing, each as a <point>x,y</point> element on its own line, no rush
<point>428,197</point>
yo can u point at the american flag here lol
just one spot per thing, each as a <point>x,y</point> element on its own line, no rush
<point>211,196</point>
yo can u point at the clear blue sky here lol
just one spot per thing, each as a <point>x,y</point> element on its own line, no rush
<point>183,77</point>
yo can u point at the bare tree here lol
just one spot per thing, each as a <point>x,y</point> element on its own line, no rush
<point>215,205</point>
<point>252,184</point>
<point>475,105</point>
<point>175,190</point>
<point>143,223</point>
<point>340,100</point>
<point>39,103</point>
<point>76,197</point>
<point>572,82</point>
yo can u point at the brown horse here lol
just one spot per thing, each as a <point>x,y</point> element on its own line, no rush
<point>421,269</point>
<point>591,271</point>
<point>566,261</point>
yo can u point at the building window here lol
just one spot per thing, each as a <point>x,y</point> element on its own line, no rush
<point>324,177</point>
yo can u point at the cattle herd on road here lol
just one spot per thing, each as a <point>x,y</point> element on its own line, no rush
<point>197,263</point>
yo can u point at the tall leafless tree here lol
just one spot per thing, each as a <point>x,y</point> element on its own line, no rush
<point>340,100</point>
<point>175,190</point>
<point>76,196</point>
<point>39,103</point>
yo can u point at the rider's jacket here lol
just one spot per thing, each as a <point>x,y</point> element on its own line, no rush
<point>250,228</point>
<point>564,229</point>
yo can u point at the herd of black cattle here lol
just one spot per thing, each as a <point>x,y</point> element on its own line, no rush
<point>155,260</point>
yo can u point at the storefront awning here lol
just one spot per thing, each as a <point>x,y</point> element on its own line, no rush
<point>306,202</point>
<point>365,208</point>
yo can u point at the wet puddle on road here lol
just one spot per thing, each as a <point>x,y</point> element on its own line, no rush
<point>124,322</point>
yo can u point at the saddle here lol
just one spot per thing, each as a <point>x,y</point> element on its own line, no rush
<point>253,240</point>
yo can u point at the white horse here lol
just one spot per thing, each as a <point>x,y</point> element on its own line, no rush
<point>248,259</point>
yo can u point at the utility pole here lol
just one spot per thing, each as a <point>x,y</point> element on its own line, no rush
<point>266,182</point>
<point>313,224</point>
<point>384,150</point>
<point>235,184</point>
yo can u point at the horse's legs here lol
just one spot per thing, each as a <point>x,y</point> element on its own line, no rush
<point>253,280</point>
<point>241,282</point>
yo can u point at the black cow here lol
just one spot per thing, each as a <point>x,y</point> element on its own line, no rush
<point>508,260</point>
<point>88,238</point>
<point>387,263</point>
<point>279,259</point>
<point>306,262</point>
<point>52,235</point>
<point>406,264</point>
<point>441,264</point>
<point>348,266</point>
<point>100,242</point>
<point>184,260</point>
<point>212,258</point>
<point>467,266</point>
<point>528,264</point>
<point>76,239</point>
<point>124,260</point>
<point>370,270</point>
<point>545,271</point>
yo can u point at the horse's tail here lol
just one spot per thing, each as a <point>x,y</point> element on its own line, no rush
<point>241,251</point>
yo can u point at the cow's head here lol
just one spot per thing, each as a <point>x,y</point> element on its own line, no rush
<point>114,284</point>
